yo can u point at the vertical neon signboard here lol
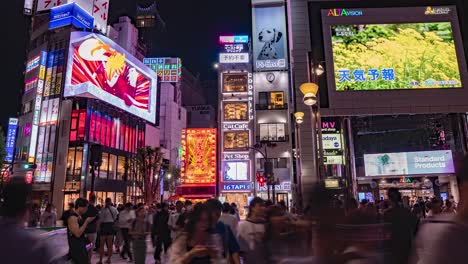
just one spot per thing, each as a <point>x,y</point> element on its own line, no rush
<point>37,108</point>
<point>11,139</point>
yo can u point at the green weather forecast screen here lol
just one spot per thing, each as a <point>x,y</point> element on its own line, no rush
<point>392,56</point>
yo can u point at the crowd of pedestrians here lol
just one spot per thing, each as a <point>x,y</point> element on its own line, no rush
<point>397,230</point>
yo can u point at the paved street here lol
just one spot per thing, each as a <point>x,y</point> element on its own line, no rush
<point>116,259</point>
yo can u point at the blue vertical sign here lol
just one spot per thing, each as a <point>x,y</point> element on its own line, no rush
<point>11,139</point>
<point>161,183</point>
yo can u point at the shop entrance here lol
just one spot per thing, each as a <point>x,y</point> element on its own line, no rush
<point>241,200</point>
<point>283,197</point>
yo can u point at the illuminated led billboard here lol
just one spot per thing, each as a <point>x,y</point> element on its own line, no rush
<point>198,156</point>
<point>421,51</point>
<point>236,170</point>
<point>99,68</point>
<point>169,69</point>
<point>409,163</point>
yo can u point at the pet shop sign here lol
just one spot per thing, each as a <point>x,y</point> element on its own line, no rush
<point>98,68</point>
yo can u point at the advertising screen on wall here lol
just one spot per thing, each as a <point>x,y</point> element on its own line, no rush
<point>393,48</point>
<point>236,170</point>
<point>269,36</point>
<point>198,156</point>
<point>236,111</point>
<point>236,140</point>
<point>99,68</point>
<point>235,82</point>
<point>409,163</point>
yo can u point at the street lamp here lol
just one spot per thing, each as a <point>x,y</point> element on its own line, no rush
<point>216,65</point>
<point>169,176</point>
<point>299,117</point>
<point>309,90</point>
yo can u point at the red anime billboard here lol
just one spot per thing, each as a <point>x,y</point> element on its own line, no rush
<point>99,68</point>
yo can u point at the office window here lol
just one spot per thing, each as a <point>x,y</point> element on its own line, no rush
<point>112,166</point>
<point>78,161</point>
<point>120,168</point>
<point>272,132</point>
<point>104,166</point>
<point>70,162</point>
<point>271,100</point>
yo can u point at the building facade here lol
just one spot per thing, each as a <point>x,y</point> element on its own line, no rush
<point>69,105</point>
<point>389,133</point>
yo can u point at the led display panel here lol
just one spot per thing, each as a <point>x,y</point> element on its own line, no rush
<point>393,48</point>
<point>235,82</point>
<point>99,68</point>
<point>236,171</point>
<point>198,156</point>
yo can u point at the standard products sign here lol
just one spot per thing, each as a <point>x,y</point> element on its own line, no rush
<point>409,163</point>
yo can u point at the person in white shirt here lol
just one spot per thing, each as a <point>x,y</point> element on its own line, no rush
<point>126,218</point>
<point>251,233</point>
<point>107,217</point>
<point>228,219</point>
<point>175,230</point>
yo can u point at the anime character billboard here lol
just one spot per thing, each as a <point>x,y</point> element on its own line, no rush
<point>99,68</point>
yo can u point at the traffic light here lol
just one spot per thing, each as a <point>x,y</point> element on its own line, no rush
<point>261,181</point>
<point>30,166</point>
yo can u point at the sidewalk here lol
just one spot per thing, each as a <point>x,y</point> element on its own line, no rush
<point>116,259</point>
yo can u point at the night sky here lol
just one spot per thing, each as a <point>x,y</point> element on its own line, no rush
<point>191,32</point>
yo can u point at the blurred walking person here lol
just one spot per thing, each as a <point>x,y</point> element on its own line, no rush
<point>126,219</point>
<point>76,232</point>
<point>251,233</point>
<point>48,217</point>
<point>229,245</point>
<point>195,245</point>
<point>161,231</point>
<point>107,217</point>
<point>443,238</point>
<point>34,215</point>
<point>91,229</point>
<point>403,228</point>
<point>18,245</point>
<point>228,219</point>
<point>173,219</point>
<point>140,228</point>
<point>67,213</point>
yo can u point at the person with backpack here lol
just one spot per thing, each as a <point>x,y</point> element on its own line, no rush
<point>107,217</point>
